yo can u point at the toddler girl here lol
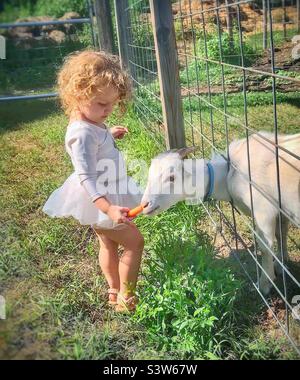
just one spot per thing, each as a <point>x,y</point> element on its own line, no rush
<point>90,85</point>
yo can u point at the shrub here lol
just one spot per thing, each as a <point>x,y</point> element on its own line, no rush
<point>186,296</point>
<point>231,51</point>
<point>57,8</point>
<point>186,299</point>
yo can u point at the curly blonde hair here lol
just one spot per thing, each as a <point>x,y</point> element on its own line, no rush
<point>85,74</point>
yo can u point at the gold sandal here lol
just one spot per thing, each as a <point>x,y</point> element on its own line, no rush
<point>114,292</point>
<point>126,305</point>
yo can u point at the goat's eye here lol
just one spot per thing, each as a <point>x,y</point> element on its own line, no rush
<point>172,178</point>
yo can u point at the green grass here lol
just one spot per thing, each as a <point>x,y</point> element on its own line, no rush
<point>56,297</point>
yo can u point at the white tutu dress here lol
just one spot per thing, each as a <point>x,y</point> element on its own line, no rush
<point>99,171</point>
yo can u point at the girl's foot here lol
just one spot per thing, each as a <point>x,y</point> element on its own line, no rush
<point>112,296</point>
<point>126,304</point>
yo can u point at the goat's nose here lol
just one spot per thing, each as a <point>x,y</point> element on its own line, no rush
<point>146,204</point>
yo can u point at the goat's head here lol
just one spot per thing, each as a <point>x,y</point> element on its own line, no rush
<point>168,180</point>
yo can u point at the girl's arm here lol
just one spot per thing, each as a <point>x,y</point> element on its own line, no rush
<point>84,148</point>
<point>103,204</point>
<point>83,144</point>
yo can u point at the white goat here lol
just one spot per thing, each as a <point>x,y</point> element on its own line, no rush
<point>231,182</point>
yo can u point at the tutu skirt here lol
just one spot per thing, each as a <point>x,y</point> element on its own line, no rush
<point>72,200</point>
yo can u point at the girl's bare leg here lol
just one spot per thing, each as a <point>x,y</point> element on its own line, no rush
<point>129,264</point>
<point>109,262</point>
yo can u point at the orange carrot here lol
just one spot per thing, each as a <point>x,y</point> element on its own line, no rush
<point>135,211</point>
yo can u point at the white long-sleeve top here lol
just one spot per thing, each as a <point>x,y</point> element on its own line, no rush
<point>88,145</point>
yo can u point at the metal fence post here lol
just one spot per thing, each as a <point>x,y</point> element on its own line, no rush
<point>104,25</point>
<point>168,72</point>
<point>2,47</point>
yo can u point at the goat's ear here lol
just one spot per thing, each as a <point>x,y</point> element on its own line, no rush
<point>183,152</point>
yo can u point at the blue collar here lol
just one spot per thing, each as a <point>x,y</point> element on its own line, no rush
<point>211,181</point>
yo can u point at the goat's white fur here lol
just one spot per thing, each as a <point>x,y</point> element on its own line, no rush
<point>233,184</point>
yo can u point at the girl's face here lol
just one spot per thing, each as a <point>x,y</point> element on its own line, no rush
<point>100,107</point>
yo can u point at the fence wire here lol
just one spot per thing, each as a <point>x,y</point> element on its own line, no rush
<point>35,50</point>
<point>239,74</point>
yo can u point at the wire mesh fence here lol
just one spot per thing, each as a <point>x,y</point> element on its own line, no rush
<point>35,49</point>
<point>239,74</point>
<point>143,66</point>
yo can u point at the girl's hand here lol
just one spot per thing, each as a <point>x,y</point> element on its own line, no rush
<point>118,131</point>
<point>118,214</point>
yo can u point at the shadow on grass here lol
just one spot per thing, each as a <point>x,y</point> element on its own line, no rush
<point>252,309</point>
<point>294,102</point>
<point>14,113</point>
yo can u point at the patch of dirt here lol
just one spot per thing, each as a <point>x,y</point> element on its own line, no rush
<point>259,82</point>
<point>251,15</point>
<point>269,324</point>
<point>187,9</point>
<point>283,58</point>
<point>252,23</point>
<point>266,319</point>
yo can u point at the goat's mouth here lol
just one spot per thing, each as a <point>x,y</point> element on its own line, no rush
<point>151,211</point>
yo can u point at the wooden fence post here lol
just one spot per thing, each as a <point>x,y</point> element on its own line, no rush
<point>168,72</point>
<point>298,15</point>
<point>229,21</point>
<point>122,22</point>
<point>284,19</point>
<point>104,25</point>
<point>265,24</point>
